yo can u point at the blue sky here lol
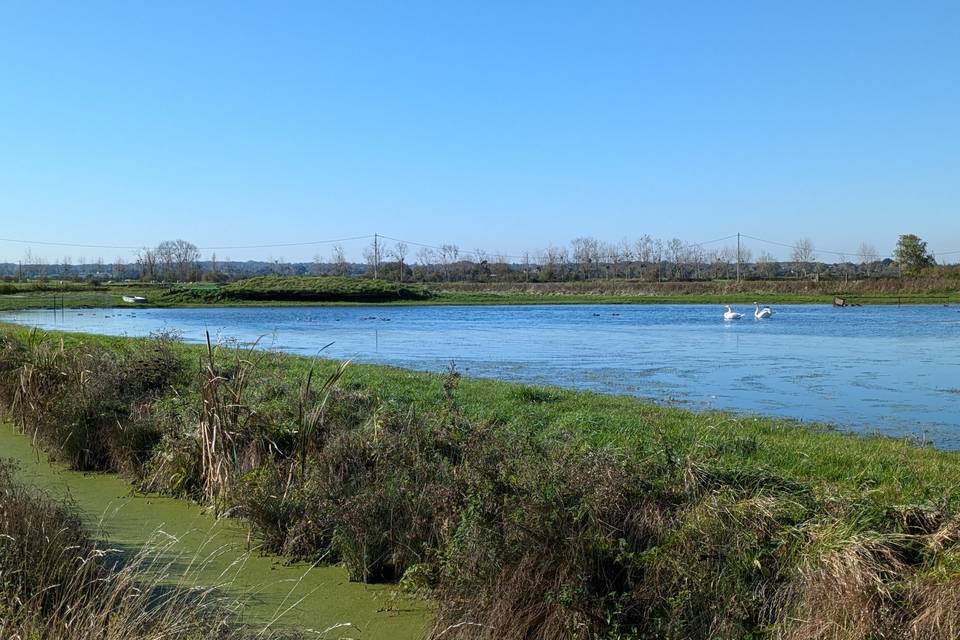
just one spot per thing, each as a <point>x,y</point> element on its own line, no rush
<point>500,125</point>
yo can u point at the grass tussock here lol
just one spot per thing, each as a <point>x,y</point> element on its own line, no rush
<point>514,532</point>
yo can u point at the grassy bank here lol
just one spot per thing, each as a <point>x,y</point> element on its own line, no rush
<point>871,291</point>
<point>291,290</point>
<point>57,583</point>
<point>523,511</point>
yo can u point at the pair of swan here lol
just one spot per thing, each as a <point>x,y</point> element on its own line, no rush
<point>758,313</point>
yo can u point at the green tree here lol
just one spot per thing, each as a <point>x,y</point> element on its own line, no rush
<point>912,255</point>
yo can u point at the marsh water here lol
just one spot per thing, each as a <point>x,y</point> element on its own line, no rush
<point>192,547</point>
<point>888,369</point>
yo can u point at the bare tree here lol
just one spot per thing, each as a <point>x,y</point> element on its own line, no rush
<point>619,254</point>
<point>425,259</point>
<point>119,269</point>
<point>802,255</point>
<point>399,252</point>
<point>677,252</point>
<point>340,266</point>
<point>373,255</point>
<point>586,253</point>
<point>316,267</point>
<point>177,260</point>
<point>767,265</point>
<point>643,251</point>
<point>867,254</point>
<point>186,257</point>
<point>449,254</point>
<point>553,263</point>
<point>147,261</point>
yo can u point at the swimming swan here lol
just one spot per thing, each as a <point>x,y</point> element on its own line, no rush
<point>761,314</point>
<point>729,314</point>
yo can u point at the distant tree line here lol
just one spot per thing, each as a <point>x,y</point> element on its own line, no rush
<point>646,259</point>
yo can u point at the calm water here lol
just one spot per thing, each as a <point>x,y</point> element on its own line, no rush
<point>892,370</point>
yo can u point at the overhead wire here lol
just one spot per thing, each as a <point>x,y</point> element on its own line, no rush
<point>476,253</point>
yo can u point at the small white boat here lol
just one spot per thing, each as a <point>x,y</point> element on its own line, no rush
<point>730,314</point>
<point>134,299</point>
<point>761,314</point>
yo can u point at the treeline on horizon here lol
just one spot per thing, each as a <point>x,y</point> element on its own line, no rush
<point>646,259</point>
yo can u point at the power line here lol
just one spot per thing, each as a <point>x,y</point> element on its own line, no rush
<point>75,245</point>
<point>467,252</point>
<point>793,246</point>
<point>66,244</point>
<point>288,244</point>
<point>700,244</point>
<point>474,253</point>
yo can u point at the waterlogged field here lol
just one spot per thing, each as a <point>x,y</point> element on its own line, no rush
<point>883,369</point>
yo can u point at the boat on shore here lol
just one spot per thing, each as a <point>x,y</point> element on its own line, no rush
<point>134,299</point>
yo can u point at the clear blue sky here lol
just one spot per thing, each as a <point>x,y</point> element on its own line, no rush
<point>501,125</point>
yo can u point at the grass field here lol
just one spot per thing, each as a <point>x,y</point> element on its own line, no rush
<point>288,290</point>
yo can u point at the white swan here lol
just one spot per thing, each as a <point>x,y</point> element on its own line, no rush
<point>730,314</point>
<point>761,314</point>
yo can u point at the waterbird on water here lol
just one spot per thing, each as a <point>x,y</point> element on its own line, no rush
<point>761,314</point>
<point>730,314</point>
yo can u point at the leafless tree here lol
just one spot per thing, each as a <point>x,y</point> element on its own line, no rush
<point>147,261</point>
<point>449,254</point>
<point>373,255</point>
<point>586,253</point>
<point>119,269</point>
<point>178,260</point>
<point>677,254</point>
<point>868,255</point>
<point>425,259</point>
<point>619,254</point>
<point>802,255</point>
<point>552,261</point>
<point>339,259</point>
<point>643,252</point>
<point>399,253</point>
<point>767,265</point>
<point>316,267</point>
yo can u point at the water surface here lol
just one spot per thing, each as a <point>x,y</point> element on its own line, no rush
<point>886,369</point>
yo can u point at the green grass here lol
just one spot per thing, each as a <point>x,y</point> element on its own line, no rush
<point>328,290</point>
<point>521,511</point>
<point>299,289</point>
<point>894,470</point>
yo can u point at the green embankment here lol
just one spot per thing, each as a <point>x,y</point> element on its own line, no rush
<point>522,511</point>
<point>896,469</point>
<point>299,290</point>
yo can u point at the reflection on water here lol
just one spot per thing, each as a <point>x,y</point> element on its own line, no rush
<point>887,369</point>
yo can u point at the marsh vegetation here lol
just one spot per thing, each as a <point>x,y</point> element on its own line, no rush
<point>56,582</point>
<point>521,511</point>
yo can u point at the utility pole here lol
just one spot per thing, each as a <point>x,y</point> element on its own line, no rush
<point>738,256</point>
<point>376,256</point>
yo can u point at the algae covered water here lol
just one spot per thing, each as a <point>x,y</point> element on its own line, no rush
<point>887,369</point>
<point>317,600</point>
